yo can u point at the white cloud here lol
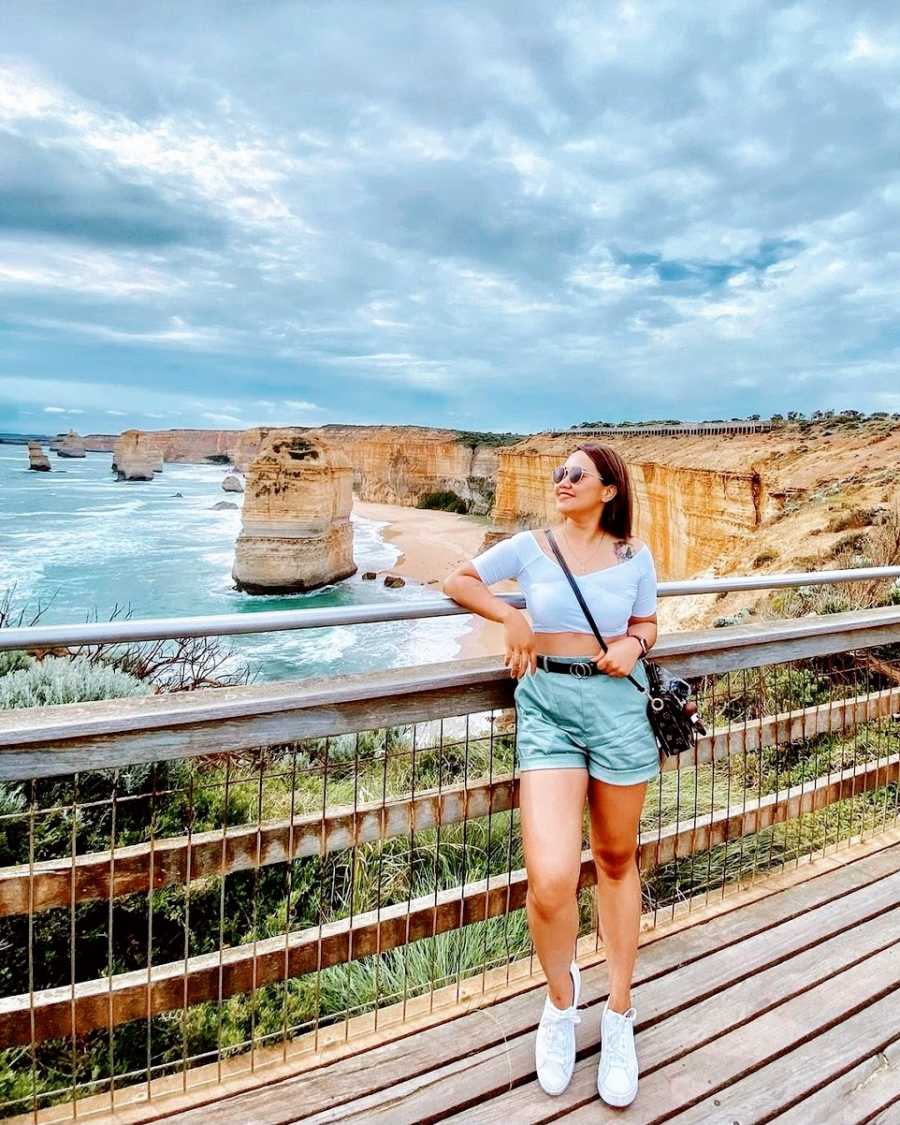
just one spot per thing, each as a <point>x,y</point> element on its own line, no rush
<point>294,404</point>
<point>869,49</point>
<point>177,333</point>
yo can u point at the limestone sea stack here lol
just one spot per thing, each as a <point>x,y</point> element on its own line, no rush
<point>134,458</point>
<point>70,445</point>
<point>37,458</point>
<point>296,533</point>
<point>232,483</point>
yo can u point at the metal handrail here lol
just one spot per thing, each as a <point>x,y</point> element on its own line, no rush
<point>232,624</point>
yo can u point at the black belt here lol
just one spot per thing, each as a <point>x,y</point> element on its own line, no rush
<point>580,668</point>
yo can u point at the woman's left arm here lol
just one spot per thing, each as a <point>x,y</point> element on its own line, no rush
<point>643,627</point>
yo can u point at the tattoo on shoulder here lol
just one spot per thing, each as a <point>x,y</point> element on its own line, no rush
<point>625,551</point>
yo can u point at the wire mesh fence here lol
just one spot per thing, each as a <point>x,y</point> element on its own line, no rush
<point>167,923</point>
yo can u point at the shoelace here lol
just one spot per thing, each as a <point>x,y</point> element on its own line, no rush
<point>613,1045</point>
<point>556,1036</point>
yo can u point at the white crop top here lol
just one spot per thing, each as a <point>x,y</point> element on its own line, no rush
<point>613,593</point>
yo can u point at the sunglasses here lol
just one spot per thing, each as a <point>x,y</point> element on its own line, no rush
<point>574,474</point>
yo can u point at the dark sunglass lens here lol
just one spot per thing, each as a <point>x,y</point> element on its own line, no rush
<point>575,474</point>
<point>558,473</point>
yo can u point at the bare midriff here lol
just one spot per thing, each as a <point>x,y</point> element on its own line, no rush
<point>571,644</point>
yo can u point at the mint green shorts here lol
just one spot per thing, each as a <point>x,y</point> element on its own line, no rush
<point>597,723</point>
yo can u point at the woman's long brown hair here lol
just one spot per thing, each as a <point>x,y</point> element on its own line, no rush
<point>616,517</point>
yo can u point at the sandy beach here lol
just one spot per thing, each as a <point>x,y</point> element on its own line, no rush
<point>433,544</point>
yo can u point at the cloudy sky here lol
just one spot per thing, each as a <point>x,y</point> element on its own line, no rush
<point>505,216</point>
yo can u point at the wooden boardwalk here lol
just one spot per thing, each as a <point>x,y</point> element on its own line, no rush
<point>779,1003</point>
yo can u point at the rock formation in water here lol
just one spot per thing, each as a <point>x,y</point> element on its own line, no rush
<point>69,445</point>
<point>135,458</point>
<point>232,483</point>
<point>391,464</point>
<point>37,458</point>
<point>296,533</point>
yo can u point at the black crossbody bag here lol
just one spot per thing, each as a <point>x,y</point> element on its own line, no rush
<point>672,714</point>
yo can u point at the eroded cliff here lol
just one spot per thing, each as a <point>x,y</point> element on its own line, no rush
<point>391,464</point>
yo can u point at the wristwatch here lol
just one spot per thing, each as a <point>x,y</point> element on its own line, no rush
<point>642,642</point>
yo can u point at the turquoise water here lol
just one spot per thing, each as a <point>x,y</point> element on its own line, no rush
<point>82,544</point>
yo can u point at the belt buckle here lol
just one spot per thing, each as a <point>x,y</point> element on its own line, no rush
<point>581,670</point>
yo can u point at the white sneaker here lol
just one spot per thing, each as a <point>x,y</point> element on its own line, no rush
<point>554,1045</point>
<point>617,1074</point>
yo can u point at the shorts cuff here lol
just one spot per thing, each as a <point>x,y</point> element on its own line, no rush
<point>624,777</point>
<point>554,764</point>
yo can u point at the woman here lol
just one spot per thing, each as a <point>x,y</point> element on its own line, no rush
<point>582,729</point>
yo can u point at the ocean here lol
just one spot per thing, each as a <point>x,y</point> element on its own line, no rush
<point>83,545</point>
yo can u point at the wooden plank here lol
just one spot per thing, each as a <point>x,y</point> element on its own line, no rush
<point>706,998</point>
<point>790,1076</point>
<point>758,1039</point>
<point>50,883</point>
<point>703,832</point>
<point>794,726</point>
<point>796,888</point>
<point>166,736</point>
<point>97,875</point>
<point>856,1095</point>
<point>730,945</point>
<point>890,1115</point>
<point>58,1012</point>
<point>47,741</point>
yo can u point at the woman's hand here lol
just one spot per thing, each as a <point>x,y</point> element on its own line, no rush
<point>520,641</point>
<point>620,656</point>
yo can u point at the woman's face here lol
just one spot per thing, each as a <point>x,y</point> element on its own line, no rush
<point>589,494</point>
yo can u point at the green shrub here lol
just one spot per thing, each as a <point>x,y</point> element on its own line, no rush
<point>855,541</point>
<point>444,501</point>
<point>13,661</point>
<point>62,680</point>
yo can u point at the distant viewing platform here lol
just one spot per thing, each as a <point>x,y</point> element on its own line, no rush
<point>675,429</point>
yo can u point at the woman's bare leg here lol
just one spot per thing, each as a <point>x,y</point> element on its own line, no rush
<point>551,806</point>
<point>615,822</point>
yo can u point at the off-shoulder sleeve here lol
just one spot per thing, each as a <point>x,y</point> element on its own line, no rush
<point>498,562</point>
<point>645,599</point>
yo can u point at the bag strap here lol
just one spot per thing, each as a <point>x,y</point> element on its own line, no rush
<point>583,603</point>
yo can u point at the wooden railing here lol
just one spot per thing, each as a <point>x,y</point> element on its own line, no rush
<point>261,841</point>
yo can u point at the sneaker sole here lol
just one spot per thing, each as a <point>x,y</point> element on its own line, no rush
<point>556,1093</point>
<point>617,1099</point>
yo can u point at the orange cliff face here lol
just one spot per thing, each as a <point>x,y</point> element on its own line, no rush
<point>401,464</point>
<point>684,514</point>
<point>712,503</point>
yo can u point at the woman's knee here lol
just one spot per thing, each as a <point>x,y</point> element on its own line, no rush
<point>551,890</point>
<point>614,860</point>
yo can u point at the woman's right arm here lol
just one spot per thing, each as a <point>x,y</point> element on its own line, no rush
<point>466,586</point>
